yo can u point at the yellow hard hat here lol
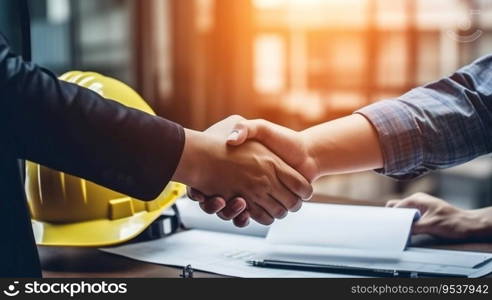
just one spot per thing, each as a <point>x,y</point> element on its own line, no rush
<point>70,211</point>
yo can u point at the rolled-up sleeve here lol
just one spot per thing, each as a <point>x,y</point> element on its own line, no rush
<point>439,125</point>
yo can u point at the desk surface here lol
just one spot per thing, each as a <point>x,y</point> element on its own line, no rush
<point>88,262</point>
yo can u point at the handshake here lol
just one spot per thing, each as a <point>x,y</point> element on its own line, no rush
<point>242,169</point>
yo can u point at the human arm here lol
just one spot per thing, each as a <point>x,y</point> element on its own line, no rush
<point>443,220</point>
<point>306,152</point>
<point>74,130</point>
<point>346,145</point>
<point>252,172</point>
<point>439,125</point>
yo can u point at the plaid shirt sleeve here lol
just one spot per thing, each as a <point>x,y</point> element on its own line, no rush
<point>439,125</point>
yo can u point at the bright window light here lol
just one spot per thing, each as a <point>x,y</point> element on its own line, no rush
<point>269,63</point>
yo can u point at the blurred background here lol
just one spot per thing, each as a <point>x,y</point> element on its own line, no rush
<point>293,62</point>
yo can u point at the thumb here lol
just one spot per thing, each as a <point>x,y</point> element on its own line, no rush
<point>241,132</point>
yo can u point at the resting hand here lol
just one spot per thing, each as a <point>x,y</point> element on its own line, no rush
<point>443,220</point>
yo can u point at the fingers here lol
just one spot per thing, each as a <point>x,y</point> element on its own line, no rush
<point>427,205</point>
<point>213,205</point>
<point>253,129</point>
<point>195,195</point>
<point>280,211</point>
<point>233,208</point>
<point>404,203</point>
<point>241,132</point>
<point>283,195</point>
<point>242,220</point>
<point>392,203</point>
<point>272,206</point>
<point>296,207</point>
<point>264,214</point>
<point>236,209</point>
<point>421,227</point>
<point>237,137</point>
<point>259,214</point>
<point>422,202</point>
<point>293,181</point>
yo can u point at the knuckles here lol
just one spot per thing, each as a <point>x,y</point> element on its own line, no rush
<point>280,213</point>
<point>303,189</point>
<point>261,217</point>
<point>262,184</point>
<point>296,206</point>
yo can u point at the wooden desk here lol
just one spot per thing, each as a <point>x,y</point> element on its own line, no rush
<point>80,262</point>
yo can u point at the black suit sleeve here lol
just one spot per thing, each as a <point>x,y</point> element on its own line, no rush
<point>74,130</point>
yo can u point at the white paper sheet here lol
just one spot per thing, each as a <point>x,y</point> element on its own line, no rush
<point>376,229</point>
<point>226,254</point>
<point>221,248</point>
<point>220,253</point>
<point>193,217</point>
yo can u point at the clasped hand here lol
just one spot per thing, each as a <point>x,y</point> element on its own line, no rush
<point>264,173</point>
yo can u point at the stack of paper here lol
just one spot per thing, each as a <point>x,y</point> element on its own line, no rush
<point>367,237</point>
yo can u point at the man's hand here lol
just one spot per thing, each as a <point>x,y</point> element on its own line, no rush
<point>345,145</point>
<point>233,209</point>
<point>443,220</point>
<point>269,186</point>
<point>288,144</point>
